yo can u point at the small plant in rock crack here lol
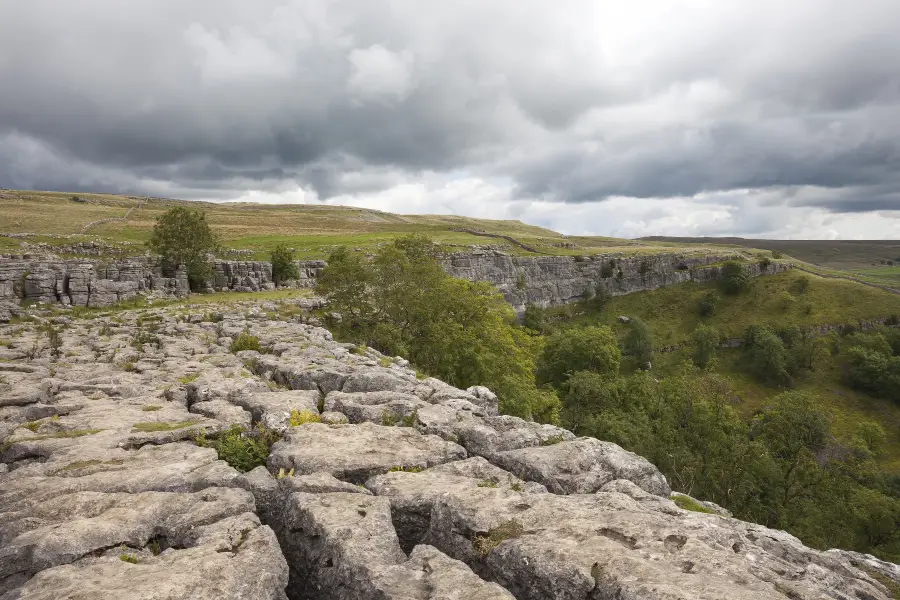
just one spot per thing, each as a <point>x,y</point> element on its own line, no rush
<point>410,419</point>
<point>487,483</point>
<point>128,557</point>
<point>282,473</point>
<point>484,543</point>
<point>54,339</point>
<point>301,417</point>
<point>245,341</point>
<point>241,448</point>
<point>402,469</point>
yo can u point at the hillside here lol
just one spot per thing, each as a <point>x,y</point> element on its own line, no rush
<point>313,230</point>
<point>671,313</point>
<point>836,254</point>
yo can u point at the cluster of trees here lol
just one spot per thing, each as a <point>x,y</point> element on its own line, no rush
<point>784,468</point>
<point>775,356</point>
<point>401,302</point>
<point>874,360</point>
<point>183,237</point>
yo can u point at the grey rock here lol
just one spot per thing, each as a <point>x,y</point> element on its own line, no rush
<point>355,453</point>
<point>582,466</point>
<point>608,545</point>
<point>374,407</point>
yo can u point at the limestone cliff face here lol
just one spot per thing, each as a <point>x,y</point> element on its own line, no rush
<point>97,283</point>
<point>554,280</point>
<point>539,280</point>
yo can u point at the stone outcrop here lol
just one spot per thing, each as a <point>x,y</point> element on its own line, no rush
<point>555,280</point>
<point>97,283</point>
<point>408,490</point>
<point>539,280</point>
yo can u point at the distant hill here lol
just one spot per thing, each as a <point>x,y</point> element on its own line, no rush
<point>835,254</point>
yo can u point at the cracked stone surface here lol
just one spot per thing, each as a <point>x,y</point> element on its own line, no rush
<point>408,489</point>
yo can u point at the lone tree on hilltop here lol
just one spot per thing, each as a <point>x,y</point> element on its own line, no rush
<point>283,266</point>
<point>182,236</point>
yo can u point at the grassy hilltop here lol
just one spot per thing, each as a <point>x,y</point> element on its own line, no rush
<point>313,230</point>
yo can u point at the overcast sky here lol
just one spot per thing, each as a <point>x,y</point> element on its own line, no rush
<point>646,117</point>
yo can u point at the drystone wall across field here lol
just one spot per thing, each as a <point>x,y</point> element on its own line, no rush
<point>407,488</point>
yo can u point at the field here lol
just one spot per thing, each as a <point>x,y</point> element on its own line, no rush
<point>312,230</point>
<point>834,254</point>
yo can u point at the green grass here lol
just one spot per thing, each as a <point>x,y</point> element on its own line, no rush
<point>688,503</point>
<point>672,312</point>
<point>312,230</point>
<point>154,426</point>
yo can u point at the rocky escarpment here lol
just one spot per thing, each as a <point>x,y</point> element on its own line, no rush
<point>555,280</point>
<point>407,489</point>
<point>97,283</point>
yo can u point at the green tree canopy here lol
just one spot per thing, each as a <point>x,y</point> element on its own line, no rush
<point>401,302</point>
<point>582,349</point>
<point>705,340</point>
<point>182,236</point>
<point>735,278</point>
<point>638,342</point>
<point>283,266</point>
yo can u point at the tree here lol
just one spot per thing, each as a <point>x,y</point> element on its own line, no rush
<point>535,318</point>
<point>182,236</point>
<point>767,354</point>
<point>735,278</point>
<point>401,302</point>
<point>708,304</point>
<point>638,342</point>
<point>283,266</point>
<point>705,340</point>
<point>572,350</point>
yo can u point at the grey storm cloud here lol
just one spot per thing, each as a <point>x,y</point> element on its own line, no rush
<point>572,101</point>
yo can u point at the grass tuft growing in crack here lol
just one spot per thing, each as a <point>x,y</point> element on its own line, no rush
<point>486,542</point>
<point>241,448</point>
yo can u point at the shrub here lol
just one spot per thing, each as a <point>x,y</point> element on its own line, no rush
<point>535,318</point>
<point>734,277</point>
<point>242,449</point>
<point>776,254</point>
<point>283,266</point>
<point>786,300</point>
<point>301,417</point>
<point>607,270</point>
<point>801,284</point>
<point>708,304</point>
<point>245,341</point>
<point>54,339</point>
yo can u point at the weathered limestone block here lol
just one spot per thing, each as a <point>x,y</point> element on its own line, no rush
<point>608,545</point>
<point>412,495</point>
<point>374,407</point>
<point>355,453</point>
<point>273,409</point>
<point>486,437</point>
<point>582,466</point>
<point>343,547</point>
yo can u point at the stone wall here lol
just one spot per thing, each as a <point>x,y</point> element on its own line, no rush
<point>554,280</point>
